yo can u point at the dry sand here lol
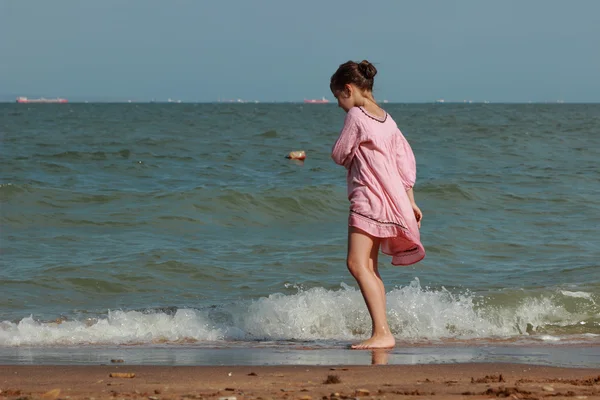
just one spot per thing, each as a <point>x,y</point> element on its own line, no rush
<point>442,381</point>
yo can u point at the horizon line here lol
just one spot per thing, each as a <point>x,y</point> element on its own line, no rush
<point>437,101</point>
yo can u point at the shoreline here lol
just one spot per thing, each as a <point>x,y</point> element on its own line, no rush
<point>465,381</point>
<point>282,354</point>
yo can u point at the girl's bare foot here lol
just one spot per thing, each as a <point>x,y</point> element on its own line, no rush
<point>376,342</point>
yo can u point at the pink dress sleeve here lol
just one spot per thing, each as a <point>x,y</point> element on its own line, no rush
<point>345,146</point>
<point>406,162</point>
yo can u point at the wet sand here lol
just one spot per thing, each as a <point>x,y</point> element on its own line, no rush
<point>439,381</point>
<point>241,354</point>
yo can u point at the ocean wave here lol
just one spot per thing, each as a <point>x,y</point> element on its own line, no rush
<point>580,295</point>
<point>317,314</point>
<point>306,201</point>
<point>198,205</point>
<point>270,134</point>
<point>447,191</point>
<point>9,189</point>
<point>123,154</point>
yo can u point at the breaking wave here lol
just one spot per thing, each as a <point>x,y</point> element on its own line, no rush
<point>416,314</point>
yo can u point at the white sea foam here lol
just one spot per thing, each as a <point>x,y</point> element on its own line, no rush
<point>117,328</point>
<point>549,338</point>
<point>579,295</point>
<point>415,313</point>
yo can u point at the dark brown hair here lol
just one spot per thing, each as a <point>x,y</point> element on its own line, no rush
<point>360,74</point>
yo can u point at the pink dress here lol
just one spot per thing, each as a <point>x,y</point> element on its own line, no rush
<point>381,168</point>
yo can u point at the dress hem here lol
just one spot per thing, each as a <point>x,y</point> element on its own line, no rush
<point>376,228</point>
<point>390,233</point>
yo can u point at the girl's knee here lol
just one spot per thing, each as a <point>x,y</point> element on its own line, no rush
<point>355,266</point>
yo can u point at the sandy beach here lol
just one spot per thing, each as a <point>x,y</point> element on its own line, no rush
<point>465,381</point>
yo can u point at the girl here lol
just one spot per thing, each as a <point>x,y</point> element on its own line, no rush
<point>381,175</point>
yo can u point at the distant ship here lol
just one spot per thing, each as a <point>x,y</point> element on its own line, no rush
<point>317,101</point>
<point>40,100</point>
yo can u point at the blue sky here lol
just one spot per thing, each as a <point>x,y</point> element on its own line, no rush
<point>196,50</point>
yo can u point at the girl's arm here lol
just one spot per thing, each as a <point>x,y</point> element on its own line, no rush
<point>345,146</point>
<point>416,209</point>
<point>411,195</point>
<point>406,163</point>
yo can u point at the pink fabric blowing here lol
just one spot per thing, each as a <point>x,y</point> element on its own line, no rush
<point>380,167</point>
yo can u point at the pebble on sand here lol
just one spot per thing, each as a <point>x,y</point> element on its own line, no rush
<point>122,375</point>
<point>51,394</point>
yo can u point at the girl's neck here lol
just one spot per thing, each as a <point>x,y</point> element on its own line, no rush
<point>371,106</point>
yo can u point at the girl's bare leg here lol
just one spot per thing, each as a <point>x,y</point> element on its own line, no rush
<point>362,264</point>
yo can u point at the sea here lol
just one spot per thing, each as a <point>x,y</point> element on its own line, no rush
<point>177,227</point>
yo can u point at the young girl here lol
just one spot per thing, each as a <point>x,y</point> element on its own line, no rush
<point>381,175</point>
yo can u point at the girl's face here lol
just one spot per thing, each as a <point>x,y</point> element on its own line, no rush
<point>345,98</point>
<point>349,97</point>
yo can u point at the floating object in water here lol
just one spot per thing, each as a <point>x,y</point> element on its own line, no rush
<point>296,155</point>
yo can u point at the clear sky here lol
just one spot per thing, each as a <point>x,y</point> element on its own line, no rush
<point>278,50</point>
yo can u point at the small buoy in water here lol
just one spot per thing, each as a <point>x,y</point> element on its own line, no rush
<point>296,155</point>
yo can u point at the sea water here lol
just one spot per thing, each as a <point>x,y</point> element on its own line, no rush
<point>184,224</point>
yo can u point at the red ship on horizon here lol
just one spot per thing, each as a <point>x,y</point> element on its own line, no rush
<point>317,101</point>
<point>40,100</point>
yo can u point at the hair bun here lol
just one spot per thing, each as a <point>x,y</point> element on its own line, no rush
<point>367,69</point>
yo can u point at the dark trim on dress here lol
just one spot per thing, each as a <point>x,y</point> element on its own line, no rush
<point>373,117</point>
<point>379,222</point>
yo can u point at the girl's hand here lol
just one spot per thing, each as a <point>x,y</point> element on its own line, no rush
<point>418,214</point>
